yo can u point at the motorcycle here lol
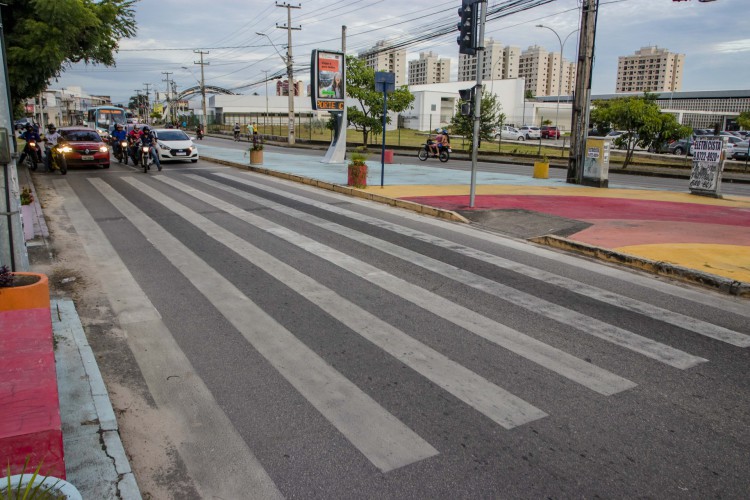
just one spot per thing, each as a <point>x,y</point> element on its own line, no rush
<point>120,150</point>
<point>33,154</point>
<point>236,136</point>
<point>199,134</point>
<point>145,154</point>
<point>57,158</point>
<point>444,152</point>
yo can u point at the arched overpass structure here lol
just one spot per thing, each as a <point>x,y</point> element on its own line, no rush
<point>210,89</point>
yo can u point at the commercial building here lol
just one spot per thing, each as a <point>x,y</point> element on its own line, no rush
<point>429,69</point>
<point>541,71</point>
<point>650,69</point>
<point>499,63</point>
<point>67,106</point>
<point>383,58</point>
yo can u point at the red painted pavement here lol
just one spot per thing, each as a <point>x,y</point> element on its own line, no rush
<point>30,425</point>
<point>621,233</point>
<point>594,208</point>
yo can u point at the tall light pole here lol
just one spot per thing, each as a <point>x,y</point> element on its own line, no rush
<point>559,82</point>
<point>264,121</point>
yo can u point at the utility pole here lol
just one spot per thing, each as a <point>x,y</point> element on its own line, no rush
<point>139,102</point>
<point>203,90</point>
<point>148,103</point>
<point>264,121</point>
<point>582,95</point>
<point>169,93</point>
<point>289,70</point>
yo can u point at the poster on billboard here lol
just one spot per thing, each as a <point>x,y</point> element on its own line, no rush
<point>329,80</point>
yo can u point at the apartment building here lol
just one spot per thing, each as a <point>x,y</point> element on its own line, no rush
<point>541,71</point>
<point>429,69</point>
<point>650,69</point>
<point>500,63</point>
<point>282,87</point>
<point>382,58</point>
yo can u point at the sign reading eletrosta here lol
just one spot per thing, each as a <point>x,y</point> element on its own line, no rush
<point>708,164</point>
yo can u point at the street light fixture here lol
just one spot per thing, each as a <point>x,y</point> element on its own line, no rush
<point>559,83</point>
<point>290,76</point>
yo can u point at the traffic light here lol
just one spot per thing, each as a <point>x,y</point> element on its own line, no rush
<point>468,27</point>
<point>467,101</point>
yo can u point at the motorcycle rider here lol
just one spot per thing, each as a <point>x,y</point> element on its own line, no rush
<point>30,135</point>
<point>50,141</point>
<point>236,131</point>
<point>435,144</point>
<point>134,138</point>
<point>199,132</point>
<point>118,135</point>
<point>148,138</point>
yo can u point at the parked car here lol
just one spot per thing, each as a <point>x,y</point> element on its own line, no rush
<point>173,144</point>
<point>679,147</point>
<point>86,147</point>
<point>21,124</point>
<point>740,151</point>
<point>506,132</point>
<point>530,132</point>
<point>549,132</point>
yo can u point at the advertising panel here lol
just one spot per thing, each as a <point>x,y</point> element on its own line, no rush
<point>328,79</point>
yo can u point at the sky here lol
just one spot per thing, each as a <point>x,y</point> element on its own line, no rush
<point>714,37</point>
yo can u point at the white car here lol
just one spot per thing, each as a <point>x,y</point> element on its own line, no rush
<point>509,133</point>
<point>174,144</point>
<point>530,132</point>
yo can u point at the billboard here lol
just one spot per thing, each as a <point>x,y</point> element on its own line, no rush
<point>328,80</point>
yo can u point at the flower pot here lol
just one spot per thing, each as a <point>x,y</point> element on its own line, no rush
<point>357,175</point>
<point>51,486</point>
<point>27,216</point>
<point>30,291</point>
<point>541,170</point>
<point>256,157</point>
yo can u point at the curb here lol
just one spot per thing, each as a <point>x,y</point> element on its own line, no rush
<point>350,191</point>
<point>718,283</point>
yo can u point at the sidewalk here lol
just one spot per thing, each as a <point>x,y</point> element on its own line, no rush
<point>693,238</point>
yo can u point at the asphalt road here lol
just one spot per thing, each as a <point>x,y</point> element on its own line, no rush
<point>263,339</point>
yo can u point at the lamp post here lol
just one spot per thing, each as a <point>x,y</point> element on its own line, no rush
<point>559,79</point>
<point>266,120</point>
<point>290,76</point>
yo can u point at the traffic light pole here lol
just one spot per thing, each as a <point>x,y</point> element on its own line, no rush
<point>477,101</point>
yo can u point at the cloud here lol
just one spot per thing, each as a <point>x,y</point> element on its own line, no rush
<point>732,47</point>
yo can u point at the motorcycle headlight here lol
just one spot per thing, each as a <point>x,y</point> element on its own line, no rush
<point>124,144</point>
<point>103,149</point>
<point>65,149</point>
<point>145,149</point>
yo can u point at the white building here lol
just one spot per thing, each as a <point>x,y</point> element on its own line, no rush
<point>429,69</point>
<point>541,71</point>
<point>434,105</point>
<point>650,69</point>
<point>381,58</point>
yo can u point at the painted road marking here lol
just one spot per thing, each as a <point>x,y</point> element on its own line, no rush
<point>377,434</point>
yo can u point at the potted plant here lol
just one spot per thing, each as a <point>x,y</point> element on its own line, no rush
<point>357,170</point>
<point>27,213</point>
<point>34,485</point>
<point>19,290</point>
<point>541,168</point>
<point>256,151</point>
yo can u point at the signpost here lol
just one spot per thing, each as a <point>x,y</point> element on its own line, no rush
<point>708,165</point>
<point>385,83</point>
<point>328,92</point>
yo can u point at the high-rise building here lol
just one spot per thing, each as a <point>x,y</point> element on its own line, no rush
<point>541,71</point>
<point>381,58</point>
<point>282,87</point>
<point>499,63</point>
<point>429,69</point>
<point>650,69</point>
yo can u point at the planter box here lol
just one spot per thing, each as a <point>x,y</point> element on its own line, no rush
<point>32,296</point>
<point>27,217</point>
<point>541,170</point>
<point>256,157</point>
<point>357,176</point>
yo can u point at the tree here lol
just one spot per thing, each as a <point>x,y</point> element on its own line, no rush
<point>641,121</point>
<point>368,115</point>
<point>43,37</point>
<point>490,119</point>
<point>744,120</point>
<point>529,94</point>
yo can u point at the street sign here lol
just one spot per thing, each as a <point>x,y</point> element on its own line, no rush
<point>385,82</point>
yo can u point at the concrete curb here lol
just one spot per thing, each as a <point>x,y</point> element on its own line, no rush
<point>350,191</point>
<point>718,283</point>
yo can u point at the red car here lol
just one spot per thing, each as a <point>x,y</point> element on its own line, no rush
<point>84,147</point>
<point>548,132</point>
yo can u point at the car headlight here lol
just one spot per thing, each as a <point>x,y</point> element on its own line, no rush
<point>65,149</point>
<point>190,149</point>
<point>104,149</point>
<point>164,146</point>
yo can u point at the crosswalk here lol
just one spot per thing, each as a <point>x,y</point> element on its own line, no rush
<point>400,260</point>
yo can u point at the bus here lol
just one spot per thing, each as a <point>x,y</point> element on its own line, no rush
<point>104,118</point>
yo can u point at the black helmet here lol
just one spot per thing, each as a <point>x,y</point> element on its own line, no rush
<point>145,128</point>
<point>51,128</point>
<point>28,126</point>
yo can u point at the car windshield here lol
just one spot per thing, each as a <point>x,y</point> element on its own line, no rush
<point>172,135</point>
<point>81,136</point>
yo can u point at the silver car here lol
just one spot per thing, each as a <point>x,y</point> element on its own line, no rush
<point>530,132</point>
<point>509,133</point>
